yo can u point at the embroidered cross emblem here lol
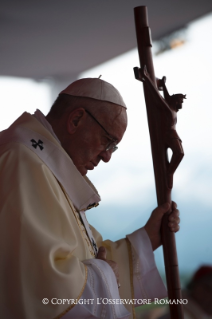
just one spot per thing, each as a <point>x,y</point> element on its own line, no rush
<point>39,144</point>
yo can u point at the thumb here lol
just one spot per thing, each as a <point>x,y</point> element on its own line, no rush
<point>161,210</point>
<point>102,253</point>
<point>166,206</point>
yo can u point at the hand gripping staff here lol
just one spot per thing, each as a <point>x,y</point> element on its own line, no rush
<point>162,118</point>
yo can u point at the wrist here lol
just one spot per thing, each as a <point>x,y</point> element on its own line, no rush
<point>152,238</point>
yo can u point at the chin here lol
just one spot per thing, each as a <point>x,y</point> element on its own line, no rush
<point>83,171</point>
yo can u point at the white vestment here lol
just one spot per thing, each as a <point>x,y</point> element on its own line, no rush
<point>47,264</point>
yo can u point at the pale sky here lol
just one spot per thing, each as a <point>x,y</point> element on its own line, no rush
<point>18,95</point>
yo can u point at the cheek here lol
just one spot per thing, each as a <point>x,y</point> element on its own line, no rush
<point>84,148</point>
<point>88,150</point>
<point>91,144</point>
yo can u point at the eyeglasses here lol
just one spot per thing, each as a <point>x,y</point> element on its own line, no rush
<point>112,145</point>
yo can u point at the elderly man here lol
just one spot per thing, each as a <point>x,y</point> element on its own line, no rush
<point>50,264</point>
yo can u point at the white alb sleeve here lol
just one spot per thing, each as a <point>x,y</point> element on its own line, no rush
<point>100,298</point>
<point>146,278</point>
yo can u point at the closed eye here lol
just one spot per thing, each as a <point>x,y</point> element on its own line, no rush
<point>106,140</point>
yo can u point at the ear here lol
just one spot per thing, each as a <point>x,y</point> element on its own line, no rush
<point>75,120</point>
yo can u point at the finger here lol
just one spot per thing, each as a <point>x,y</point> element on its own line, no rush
<point>102,253</point>
<point>175,212</point>
<point>174,222</point>
<point>173,228</point>
<point>174,216</point>
<point>174,205</point>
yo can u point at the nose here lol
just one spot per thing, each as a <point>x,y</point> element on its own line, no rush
<point>105,156</point>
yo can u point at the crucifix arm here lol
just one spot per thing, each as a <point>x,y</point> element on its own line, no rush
<point>142,75</point>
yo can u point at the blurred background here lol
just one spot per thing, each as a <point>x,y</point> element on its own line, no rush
<point>45,46</point>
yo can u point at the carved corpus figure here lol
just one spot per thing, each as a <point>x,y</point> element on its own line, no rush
<point>169,105</point>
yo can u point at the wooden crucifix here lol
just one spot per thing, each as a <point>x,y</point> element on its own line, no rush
<point>162,119</point>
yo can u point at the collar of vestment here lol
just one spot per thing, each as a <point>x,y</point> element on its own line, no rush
<point>31,132</point>
<point>41,118</point>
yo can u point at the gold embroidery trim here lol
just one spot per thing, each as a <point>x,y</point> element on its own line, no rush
<point>80,294</point>
<point>131,274</point>
<point>80,225</point>
<point>92,205</point>
<point>84,232</point>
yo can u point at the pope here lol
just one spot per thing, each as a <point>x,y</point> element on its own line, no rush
<point>53,263</point>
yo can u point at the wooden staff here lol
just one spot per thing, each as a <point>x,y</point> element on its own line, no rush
<point>162,118</point>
